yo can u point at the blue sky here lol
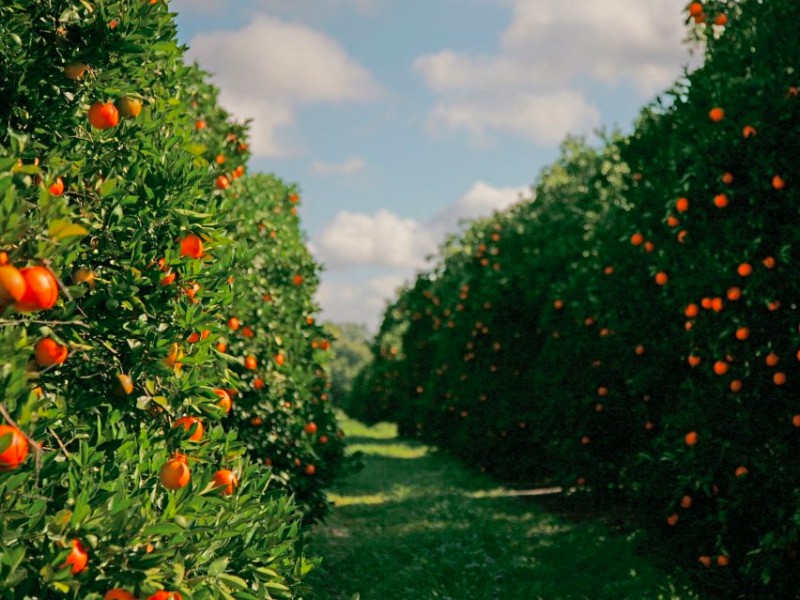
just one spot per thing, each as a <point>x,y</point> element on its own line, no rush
<point>399,117</point>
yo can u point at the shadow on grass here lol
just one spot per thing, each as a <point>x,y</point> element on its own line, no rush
<point>426,528</point>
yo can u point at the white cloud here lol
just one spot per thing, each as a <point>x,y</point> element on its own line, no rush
<point>391,247</point>
<point>347,167</point>
<point>542,118</point>
<point>481,200</point>
<point>347,302</point>
<point>384,239</point>
<point>535,84</point>
<point>269,68</point>
<point>284,7</point>
<point>381,239</point>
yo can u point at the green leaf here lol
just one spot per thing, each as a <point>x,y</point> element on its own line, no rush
<point>60,229</point>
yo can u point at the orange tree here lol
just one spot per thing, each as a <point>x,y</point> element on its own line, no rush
<point>658,360</point>
<point>119,475</point>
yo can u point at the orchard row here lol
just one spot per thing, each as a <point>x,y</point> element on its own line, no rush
<point>632,331</point>
<point>164,425</point>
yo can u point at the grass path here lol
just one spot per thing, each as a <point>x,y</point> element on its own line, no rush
<point>416,525</point>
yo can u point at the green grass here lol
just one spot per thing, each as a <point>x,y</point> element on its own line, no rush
<point>415,524</point>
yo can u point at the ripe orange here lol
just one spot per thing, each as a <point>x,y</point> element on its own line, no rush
<point>686,502</point>
<point>103,115</point>
<point>168,279</point>
<point>187,423</point>
<point>17,449</point>
<point>164,595</point>
<point>649,246</point>
<point>779,378</point>
<point>57,187</point>
<point>192,246</point>
<point>83,275</point>
<point>742,333</point>
<point>637,239</point>
<point>12,284</point>
<point>694,360</point>
<point>310,469</point>
<point>721,200</point>
<point>233,324</point>
<point>720,367</point>
<point>741,471</point>
<point>75,71</point>
<point>716,114</point>
<point>225,480</point>
<point>310,428</point>
<point>682,235</point>
<point>175,473</point>
<point>199,124</point>
<point>744,269</point>
<point>224,399</point>
<point>250,362</point>
<point>661,278</point>
<point>734,293</point>
<point>174,355</point>
<point>323,439</point>
<point>748,131</point>
<point>717,304</point>
<point>280,358</point>
<point>118,594</point>
<point>129,107</point>
<point>690,438</point>
<point>672,221</point>
<point>78,558</point>
<point>219,159</point>
<point>682,205</point>
<point>695,8</point>
<point>124,385</point>
<point>639,350</point>
<point>736,385</point>
<point>247,332</point>
<point>49,352</point>
<point>727,178</point>
<point>778,183</point>
<point>222,346</point>
<point>723,561</point>
<point>691,310</point>
<point>772,359</point>
<point>769,262</point>
<point>705,561</point>
<point>41,290</point>
<point>258,383</point>
<point>672,520</point>
<point>796,420</point>
<point>297,279</point>
<point>222,182</point>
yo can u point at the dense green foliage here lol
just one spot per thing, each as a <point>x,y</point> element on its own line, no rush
<point>156,239</point>
<point>609,337</point>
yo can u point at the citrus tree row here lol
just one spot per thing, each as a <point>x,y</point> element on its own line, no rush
<point>162,382</point>
<point>632,332</point>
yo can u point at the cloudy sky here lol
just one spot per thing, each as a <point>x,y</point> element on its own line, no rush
<point>399,118</point>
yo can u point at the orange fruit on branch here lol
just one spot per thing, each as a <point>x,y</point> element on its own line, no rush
<point>13,447</point>
<point>49,352</point>
<point>175,472</point>
<point>226,481</point>
<point>41,290</point>
<point>78,558</point>
<point>103,115</point>
<point>187,423</point>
